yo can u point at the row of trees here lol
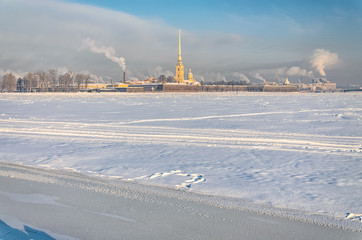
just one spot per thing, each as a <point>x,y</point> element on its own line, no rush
<point>170,79</point>
<point>41,81</point>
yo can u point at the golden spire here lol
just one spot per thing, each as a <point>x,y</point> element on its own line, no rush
<point>286,82</point>
<point>179,77</point>
<point>179,45</point>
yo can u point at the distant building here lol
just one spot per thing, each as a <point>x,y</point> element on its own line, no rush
<point>320,85</point>
<point>190,79</point>
<point>286,82</point>
<point>180,74</point>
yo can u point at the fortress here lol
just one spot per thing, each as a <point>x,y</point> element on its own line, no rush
<point>187,85</point>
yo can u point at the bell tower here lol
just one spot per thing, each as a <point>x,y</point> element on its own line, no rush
<point>179,77</point>
<point>190,76</point>
<point>286,82</point>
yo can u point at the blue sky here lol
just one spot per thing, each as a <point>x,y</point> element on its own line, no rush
<point>220,15</point>
<point>232,40</point>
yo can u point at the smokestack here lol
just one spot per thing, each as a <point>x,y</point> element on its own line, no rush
<point>124,77</point>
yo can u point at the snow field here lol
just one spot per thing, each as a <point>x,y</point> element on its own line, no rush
<point>288,150</point>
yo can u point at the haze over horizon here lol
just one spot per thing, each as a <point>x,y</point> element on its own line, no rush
<point>230,40</point>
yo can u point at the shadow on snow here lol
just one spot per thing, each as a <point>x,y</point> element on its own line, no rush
<point>9,233</point>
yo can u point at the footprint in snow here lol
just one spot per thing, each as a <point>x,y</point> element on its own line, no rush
<point>194,178</point>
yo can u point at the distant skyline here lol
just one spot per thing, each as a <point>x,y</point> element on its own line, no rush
<point>221,40</point>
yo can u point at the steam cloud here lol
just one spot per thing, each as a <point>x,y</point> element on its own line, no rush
<point>109,52</point>
<point>297,71</point>
<point>242,77</point>
<point>159,71</point>
<point>259,77</point>
<point>322,59</point>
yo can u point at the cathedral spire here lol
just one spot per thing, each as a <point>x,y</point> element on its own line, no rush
<point>286,82</point>
<point>179,45</point>
<point>179,77</point>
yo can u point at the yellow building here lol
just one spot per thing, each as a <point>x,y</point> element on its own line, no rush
<point>286,82</point>
<point>179,77</point>
<point>180,74</point>
<point>190,79</point>
<point>190,76</point>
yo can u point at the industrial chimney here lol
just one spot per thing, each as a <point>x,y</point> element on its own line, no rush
<point>124,77</point>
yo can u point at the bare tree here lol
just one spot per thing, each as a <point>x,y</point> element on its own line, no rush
<point>69,84</point>
<point>66,81</point>
<point>8,83</point>
<point>43,80</point>
<point>33,82</point>
<point>79,79</point>
<point>86,80</point>
<point>62,82</point>
<point>162,78</point>
<point>170,79</point>
<point>30,81</point>
<point>53,79</point>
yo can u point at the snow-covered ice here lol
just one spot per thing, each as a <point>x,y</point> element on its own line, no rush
<point>288,150</point>
<point>77,206</point>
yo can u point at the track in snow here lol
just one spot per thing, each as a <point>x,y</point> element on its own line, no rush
<point>244,139</point>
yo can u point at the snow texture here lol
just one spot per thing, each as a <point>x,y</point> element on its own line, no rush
<point>77,206</point>
<point>286,150</point>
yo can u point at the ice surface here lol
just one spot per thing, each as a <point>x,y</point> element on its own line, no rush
<point>94,208</point>
<point>289,150</point>
<point>31,198</point>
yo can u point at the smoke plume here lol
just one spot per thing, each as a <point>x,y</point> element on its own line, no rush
<point>297,71</point>
<point>241,77</point>
<point>200,78</point>
<point>109,52</point>
<point>323,59</point>
<point>259,77</point>
<point>159,71</point>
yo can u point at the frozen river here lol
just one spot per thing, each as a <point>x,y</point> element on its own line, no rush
<point>49,204</point>
<point>285,150</point>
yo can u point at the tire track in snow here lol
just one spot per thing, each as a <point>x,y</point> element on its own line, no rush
<point>114,127</point>
<point>244,139</point>
<point>239,115</point>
